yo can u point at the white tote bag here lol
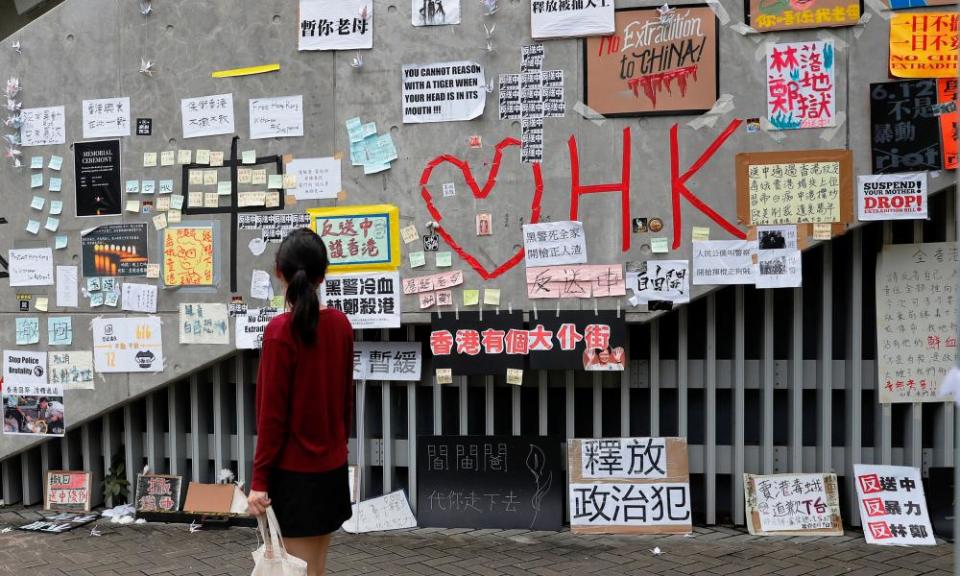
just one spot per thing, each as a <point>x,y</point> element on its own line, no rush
<point>272,559</point>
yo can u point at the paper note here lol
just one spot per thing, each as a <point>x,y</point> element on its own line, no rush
<point>195,199</point>
<point>160,221</point>
<point>701,233</point>
<point>659,245</point>
<point>36,180</point>
<point>56,207</point>
<point>148,187</point>
<point>149,159</point>
<point>133,206</point>
<point>260,286</point>
<point>132,187</point>
<point>176,202</point>
<point>822,231</point>
<point>106,117</point>
<point>28,331</point>
<point>258,177</point>
<point>471,297</point>
<point>444,376</point>
<point>165,187</point>
<point>36,163</point>
<point>212,200</point>
<point>43,126</point>
<point>59,331</point>
<point>491,296</point>
<point>275,182</point>
<point>515,376</point>
<point>203,157</point>
<point>244,175</point>
<point>96,299</point>
<point>418,259</point>
<point>67,287</point>
<point>60,242</point>
<point>184,156</point>
<point>444,259</point>
<point>209,177</point>
<point>38,202</point>
<point>289,182</point>
<point>245,199</point>
<point>354,129</point>
<point>272,199</point>
<point>216,157</point>
<point>139,297</point>
<point>52,224</point>
<point>276,117</point>
<point>174,216</point>
<point>168,157</point>
<point>43,303</point>
<point>111,298</point>
<point>55,163</point>
<point>163,203</point>
<point>56,184</point>
<point>223,188</point>
<point>153,270</point>
<point>33,226</point>
<point>195,177</point>
<point>427,300</point>
<point>207,116</point>
<point>249,157</point>
<point>409,234</point>
<point>204,324</point>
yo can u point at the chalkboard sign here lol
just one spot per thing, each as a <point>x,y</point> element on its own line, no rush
<point>904,128</point>
<point>158,493</point>
<point>501,482</point>
<point>67,491</point>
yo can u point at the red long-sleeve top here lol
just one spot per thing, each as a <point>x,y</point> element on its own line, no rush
<point>304,398</point>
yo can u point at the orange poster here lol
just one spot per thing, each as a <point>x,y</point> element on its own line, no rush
<point>770,15</point>
<point>923,45</point>
<point>947,94</point>
<point>188,256</point>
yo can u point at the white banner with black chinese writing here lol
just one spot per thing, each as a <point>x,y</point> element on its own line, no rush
<point>443,92</point>
<point>336,24</point>
<point>370,300</point>
<point>388,361</point>
<point>665,282</point>
<point>554,243</point>
<point>723,262</point>
<point>893,509</point>
<point>571,18</point>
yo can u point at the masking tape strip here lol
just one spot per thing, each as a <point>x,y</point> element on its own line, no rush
<point>777,135</point>
<point>589,113</point>
<point>878,7</point>
<point>862,25</point>
<point>248,71</point>
<point>720,11</point>
<point>837,41</point>
<point>743,29</point>
<point>723,105</point>
<point>831,133</point>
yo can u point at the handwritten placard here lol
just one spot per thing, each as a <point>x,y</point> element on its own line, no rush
<point>67,491</point>
<point>801,92</point>
<point>554,243</point>
<point>43,126</point>
<point>157,493</point>
<point>30,267</point>
<point>106,117</point>
<point>276,117</point>
<point>207,115</point>
<point>579,281</point>
<point>792,505</point>
<point>204,323</point>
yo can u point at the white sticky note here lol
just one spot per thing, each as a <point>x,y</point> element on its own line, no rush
<point>209,177</point>
<point>184,156</point>
<point>418,259</point>
<point>67,287</point>
<point>196,177</point>
<point>43,303</point>
<point>168,158</point>
<point>173,217</point>
<point>444,259</point>
<point>176,201</point>
<point>260,286</point>
<point>160,221</point>
<point>700,233</point>
<point>149,159</point>
<point>659,245</point>
<point>216,158</point>
<point>203,157</point>
<point>515,376</point>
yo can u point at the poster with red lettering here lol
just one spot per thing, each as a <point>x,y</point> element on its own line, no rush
<point>801,92</point>
<point>67,491</point>
<point>472,344</point>
<point>893,509</point>
<point>578,340</point>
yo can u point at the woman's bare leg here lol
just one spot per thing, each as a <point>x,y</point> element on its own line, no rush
<point>321,558</point>
<point>309,550</point>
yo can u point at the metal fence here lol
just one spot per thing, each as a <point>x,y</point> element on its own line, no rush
<point>758,381</point>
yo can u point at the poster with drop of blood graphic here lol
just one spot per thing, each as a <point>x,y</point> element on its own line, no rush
<point>655,63</point>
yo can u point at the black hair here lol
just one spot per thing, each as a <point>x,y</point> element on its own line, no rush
<point>302,261</point>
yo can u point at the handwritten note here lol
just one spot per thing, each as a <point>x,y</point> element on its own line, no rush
<point>139,297</point>
<point>207,116</point>
<point>43,126</point>
<point>204,323</point>
<point>276,117</point>
<point>60,331</point>
<point>106,117</point>
<point>585,281</point>
<point>317,178</point>
<point>30,267</point>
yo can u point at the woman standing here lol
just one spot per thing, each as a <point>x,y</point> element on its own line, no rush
<point>304,406</point>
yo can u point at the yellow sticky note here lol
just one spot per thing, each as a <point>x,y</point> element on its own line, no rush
<point>168,157</point>
<point>289,181</point>
<point>822,231</point>
<point>211,200</point>
<point>184,156</point>
<point>153,270</point>
<point>43,303</point>
<point>216,158</point>
<point>515,376</point>
<point>409,234</point>
<point>701,233</point>
<point>149,159</point>
<point>160,221</point>
<point>491,296</point>
<point>173,217</point>
<point>196,177</point>
<point>203,157</point>
<point>133,205</point>
<point>471,297</point>
<point>659,245</point>
<point>444,376</point>
<point>209,177</point>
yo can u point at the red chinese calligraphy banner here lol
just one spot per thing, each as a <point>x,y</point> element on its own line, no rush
<point>653,66</point>
<point>923,45</point>
<point>470,345</point>
<point>947,98</point>
<point>771,15</point>
<point>792,505</point>
<point>157,493</point>
<point>67,491</point>
<point>578,340</point>
<point>359,238</point>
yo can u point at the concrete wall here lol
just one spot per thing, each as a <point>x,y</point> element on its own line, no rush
<point>92,49</point>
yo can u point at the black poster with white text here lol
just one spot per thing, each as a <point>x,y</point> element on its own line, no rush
<point>98,178</point>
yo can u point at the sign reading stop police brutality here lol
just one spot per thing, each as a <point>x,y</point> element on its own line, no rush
<point>892,197</point>
<point>893,509</point>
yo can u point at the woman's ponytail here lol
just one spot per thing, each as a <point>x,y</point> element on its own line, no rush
<point>302,261</point>
<point>301,293</point>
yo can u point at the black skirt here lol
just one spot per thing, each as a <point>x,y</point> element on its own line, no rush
<point>310,504</point>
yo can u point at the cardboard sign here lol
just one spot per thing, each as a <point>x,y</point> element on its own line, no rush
<point>157,493</point>
<point>629,486</point>
<point>99,190</point>
<point>801,91</point>
<point>388,512</point>
<point>768,16</point>
<point>578,340</point>
<point>923,45</point>
<point>359,238</point>
<point>67,491</point>
<point>916,320</point>
<point>472,346</point>
<point>443,92</point>
<point>505,482</point>
<point>892,197</point>
<point>369,300</point>
<point>647,68</point>
<point>792,505</point>
<point>903,141</point>
<point>893,510</point>
<point>551,19</point>
<point>209,498</point>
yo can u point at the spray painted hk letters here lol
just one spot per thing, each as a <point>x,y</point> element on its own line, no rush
<point>654,63</point>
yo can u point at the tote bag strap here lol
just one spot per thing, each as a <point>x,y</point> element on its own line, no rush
<point>276,538</point>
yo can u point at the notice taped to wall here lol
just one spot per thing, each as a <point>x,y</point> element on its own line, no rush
<point>571,19</point>
<point>443,92</point>
<point>892,197</point>
<point>130,344</point>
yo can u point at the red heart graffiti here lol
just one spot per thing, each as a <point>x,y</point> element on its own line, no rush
<point>480,194</point>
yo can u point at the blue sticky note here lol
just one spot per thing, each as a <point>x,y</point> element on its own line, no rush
<point>56,207</point>
<point>36,162</point>
<point>96,299</point>
<point>369,129</point>
<point>133,187</point>
<point>28,331</point>
<point>109,284</point>
<point>53,224</point>
<point>358,153</point>
<point>56,162</point>
<point>148,187</point>
<point>33,226</point>
<point>59,331</point>
<point>93,284</point>
<point>111,298</point>
<point>38,202</point>
<point>166,187</point>
<point>371,168</point>
<point>354,129</point>
<point>36,180</point>
<point>56,184</point>
<point>61,242</point>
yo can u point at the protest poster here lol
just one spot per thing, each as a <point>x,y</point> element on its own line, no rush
<point>443,92</point>
<point>388,512</point>
<point>779,269</point>
<point>139,298</point>
<point>578,340</point>
<point>249,327</point>
<point>157,493</point>
<point>317,178</point>
<point>433,289</point>
<point>31,409</point>
<point>767,16</point>
<point>947,99</point>
<point>904,128</point>
<point>387,361</point>
<point>661,283</point>
<point>359,238</point>
<point>130,344</point>
<point>279,117</point>
<point>434,12</point>
<point>114,250</point>
<point>24,367</point>
<point>73,370</point>
<point>551,19</point>
<point>647,67</point>
<point>554,243</point>
<point>43,126</point>
<point>893,509</point>
<point>106,117</point>
<point>796,187</point>
<point>471,346</point>
<point>577,281</point>
<point>336,25</point>
<point>801,91</point>
<point>629,486</point>
<point>923,45</point>
<point>207,115</point>
<point>505,482</point>
<point>204,323</point>
<point>188,255</point>
<point>369,300</point>
<point>892,197</point>
<point>717,262</point>
<point>916,286</point>
<point>273,227</point>
<point>30,267</point>
<point>98,186</point>
<point>67,491</point>
<point>792,505</point>
<point>59,523</point>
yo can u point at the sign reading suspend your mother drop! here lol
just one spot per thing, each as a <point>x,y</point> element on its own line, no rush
<point>892,197</point>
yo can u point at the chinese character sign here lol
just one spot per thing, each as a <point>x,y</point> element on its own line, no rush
<point>578,281</point>
<point>571,18</point>
<point>370,300</point>
<point>188,256</point>
<point>893,509</point>
<point>767,15</point>
<point>916,320</point>
<point>106,117</point>
<point>387,361</point>
<point>73,369</point>
<point>722,262</point>
<point>31,409</point>
<point>359,238</point>
<point>317,178</point>
<point>792,504</point>
<point>207,115</point>
<point>388,512</point>
<point>947,99</point>
<point>130,344</point>
<point>904,128</point>
<point>43,126</point>
<point>554,243</point>
<point>157,493</point>
<point>801,92</point>
<point>67,491</point>
<point>577,340</point>
<point>336,24</point>
<point>204,323</point>
<point>472,346</point>
<point>629,485</point>
<point>892,197</point>
<point>923,45</point>
<point>661,283</point>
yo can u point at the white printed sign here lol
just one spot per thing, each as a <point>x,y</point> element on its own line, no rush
<point>443,92</point>
<point>139,298</point>
<point>336,24</point>
<point>893,509</point>
<point>106,118</point>
<point>276,117</point>
<point>434,12</point>
<point>614,505</point>
<point>72,369</point>
<point>779,269</point>
<point>892,197</point>
<point>30,267</point>
<point>571,19</point>
<point>661,281</point>
<point>131,344</point>
<point>722,262</point>
<point>67,287</point>
<point>370,300</point>
<point>388,512</point>
<point>387,361</point>
<point>554,243</point>
<point>249,327</point>
<point>623,458</point>
<point>204,323</point>
<point>317,178</point>
<point>24,367</point>
<point>207,115</point>
<point>43,126</point>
